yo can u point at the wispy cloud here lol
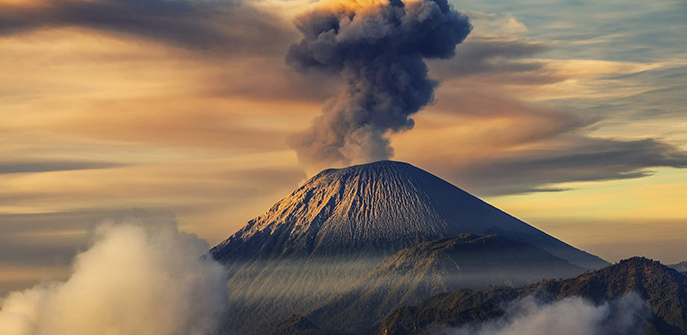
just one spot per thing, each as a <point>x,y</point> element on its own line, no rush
<point>590,159</point>
<point>216,26</point>
<point>32,167</point>
<point>509,119</point>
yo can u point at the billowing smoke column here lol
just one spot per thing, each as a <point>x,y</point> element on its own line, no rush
<point>140,276</point>
<point>377,47</point>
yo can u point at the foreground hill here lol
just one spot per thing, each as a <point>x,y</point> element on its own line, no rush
<point>444,265</point>
<point>663,289</point>
<point>316,243</point>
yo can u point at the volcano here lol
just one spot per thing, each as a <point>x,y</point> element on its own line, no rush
<point>339,225</point>
<point>380,207</point>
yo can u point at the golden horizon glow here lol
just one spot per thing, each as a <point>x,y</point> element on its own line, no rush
<point>98,118</point>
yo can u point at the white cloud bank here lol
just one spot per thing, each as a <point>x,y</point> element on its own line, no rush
<point>570,316</point>
<point>138,277</point>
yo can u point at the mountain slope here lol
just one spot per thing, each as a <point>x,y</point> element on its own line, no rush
<point>382,206</point>
<point>317,242</point>
<point>444,265</point>
<point>664,289</point>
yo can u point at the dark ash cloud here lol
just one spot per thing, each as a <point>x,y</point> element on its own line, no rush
<point>378,49</point>
<point>214,26</point>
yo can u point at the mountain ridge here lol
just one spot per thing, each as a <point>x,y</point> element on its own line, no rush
<point>663,288</point>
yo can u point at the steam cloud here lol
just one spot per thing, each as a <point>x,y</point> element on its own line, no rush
<point>377,47</point>
<point>137,278</point>
<point>572,316</point>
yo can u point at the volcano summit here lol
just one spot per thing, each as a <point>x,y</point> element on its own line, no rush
<point>338,226</point>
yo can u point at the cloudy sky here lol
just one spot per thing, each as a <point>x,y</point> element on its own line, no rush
<point>570,115</point>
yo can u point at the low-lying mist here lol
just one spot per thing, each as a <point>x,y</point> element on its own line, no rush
<point>571,316</point>
<point>139,276</point>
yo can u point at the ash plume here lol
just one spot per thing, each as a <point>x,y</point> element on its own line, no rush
<point>378,48</point>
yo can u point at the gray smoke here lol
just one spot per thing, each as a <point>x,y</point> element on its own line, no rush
<point>626,315</point>
<point>378,48</point>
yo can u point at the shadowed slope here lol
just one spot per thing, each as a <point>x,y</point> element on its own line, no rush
<point>664,289</point>
<point>444,265</point>
<point>298,325</point>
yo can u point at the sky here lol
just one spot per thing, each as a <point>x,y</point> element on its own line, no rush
<point>569,115</point>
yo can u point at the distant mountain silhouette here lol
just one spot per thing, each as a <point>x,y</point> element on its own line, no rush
<point>663,288</point>
<point>315,244</point>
